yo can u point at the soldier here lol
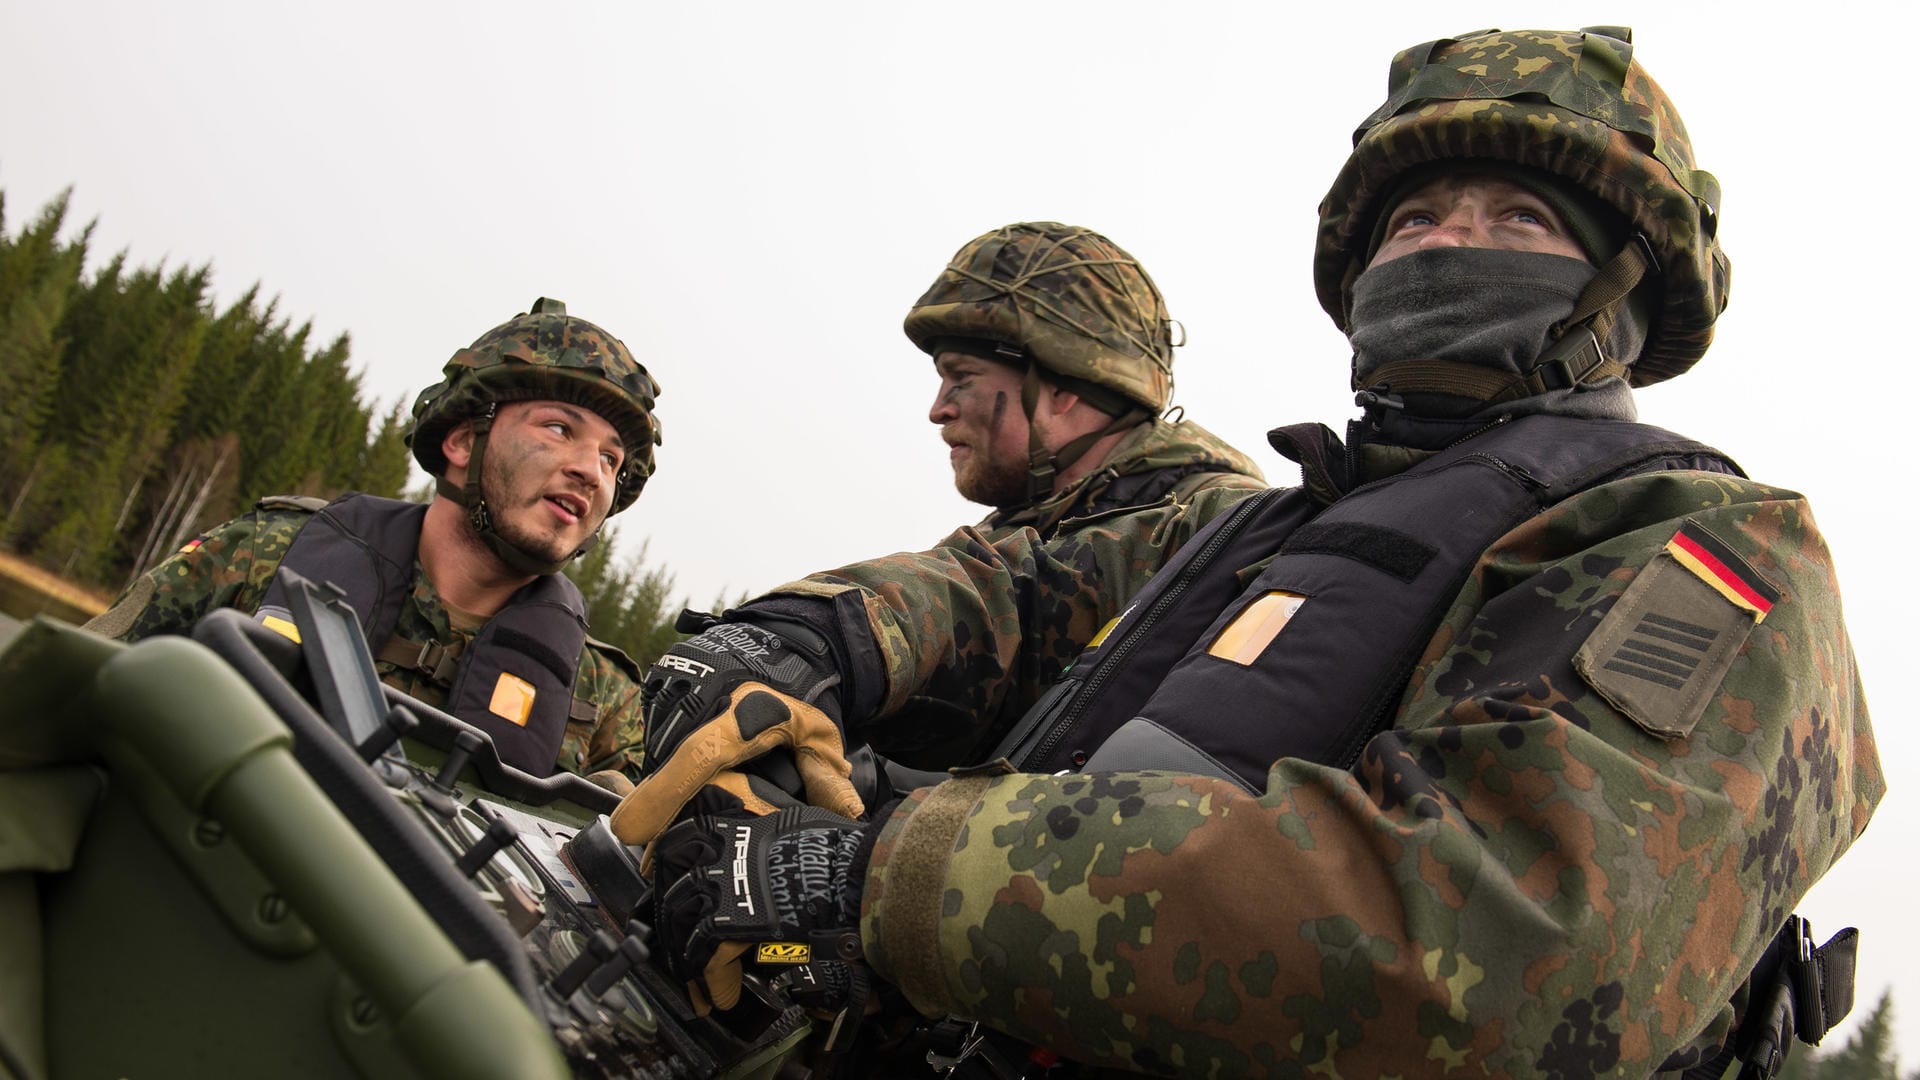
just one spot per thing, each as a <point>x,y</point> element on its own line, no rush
<point>1062,322</point>
<point>1500,747</point>
<point>537,432</point>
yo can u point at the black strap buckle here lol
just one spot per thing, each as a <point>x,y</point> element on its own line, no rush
<point>1571,359</point>
<point>436,662</point>
<point>952,1042</point>
<point>1809,992</point>
<point>965,1051</point>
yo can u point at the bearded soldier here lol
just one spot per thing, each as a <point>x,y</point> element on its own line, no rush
<point>1055,356</point>
<point>537,432</point>
<point>1502,746</point>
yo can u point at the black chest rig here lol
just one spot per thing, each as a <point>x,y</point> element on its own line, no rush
<point>1359,579</point>
<point>366,545</point>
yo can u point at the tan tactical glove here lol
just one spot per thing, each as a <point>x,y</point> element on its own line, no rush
<point>754,719</point>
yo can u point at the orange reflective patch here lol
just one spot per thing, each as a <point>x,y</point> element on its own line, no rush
<point>1249,634</point>
<point>512,699</point>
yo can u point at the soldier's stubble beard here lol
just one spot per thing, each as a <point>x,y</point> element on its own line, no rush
<point>987,476</point>
<point>500,476</point>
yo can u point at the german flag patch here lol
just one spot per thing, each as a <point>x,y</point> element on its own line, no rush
<point>1666,646</point>
<point>1702,552</point>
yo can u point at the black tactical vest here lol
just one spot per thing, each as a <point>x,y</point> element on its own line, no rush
<point>367,545</point>
<point>1372,573</point>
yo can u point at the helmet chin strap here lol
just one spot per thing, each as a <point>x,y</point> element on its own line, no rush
<point>1578,353</point>
<point>480,518</point>
<point>1043,465</point>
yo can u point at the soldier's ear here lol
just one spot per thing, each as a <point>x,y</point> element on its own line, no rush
<point>457,445</point>
<point>1061,402</point>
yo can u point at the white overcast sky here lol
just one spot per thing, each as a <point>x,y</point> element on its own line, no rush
<point>752,194</point>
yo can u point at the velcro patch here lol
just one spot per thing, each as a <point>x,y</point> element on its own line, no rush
<point>1670,639</point>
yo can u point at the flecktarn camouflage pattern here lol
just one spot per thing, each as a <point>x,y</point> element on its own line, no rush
<point>233,564</point>
<point>984,625</point>
<point>1069,297</point>
<point>1518,878</point>
<point>1574,104</point>
<point>1157,460</point>
<point>550,355</point>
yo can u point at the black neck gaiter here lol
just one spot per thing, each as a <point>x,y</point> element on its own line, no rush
<point>1480,306</point>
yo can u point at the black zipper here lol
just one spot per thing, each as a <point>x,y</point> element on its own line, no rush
<point>1057,732</point>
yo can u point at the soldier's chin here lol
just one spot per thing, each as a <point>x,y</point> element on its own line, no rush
<point>541,548</point>
<point>989,489</point>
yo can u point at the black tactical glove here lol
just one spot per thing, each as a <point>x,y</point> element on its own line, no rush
<point>727,696</point>
<point>780,891</point>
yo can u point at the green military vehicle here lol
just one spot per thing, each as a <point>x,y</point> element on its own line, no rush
<point>238,855</point>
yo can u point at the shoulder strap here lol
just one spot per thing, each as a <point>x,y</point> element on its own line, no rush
<point>363,544</point>
<point>311,504</point>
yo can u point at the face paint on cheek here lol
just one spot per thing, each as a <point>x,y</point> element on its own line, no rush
<point>999,412</point>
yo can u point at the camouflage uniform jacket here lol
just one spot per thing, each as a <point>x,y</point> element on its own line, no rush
<point>1515,879</point>
<point>232,565</point>
<point>1157,460</point>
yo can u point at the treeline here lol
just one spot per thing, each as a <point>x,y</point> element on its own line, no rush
<point>135,413</point>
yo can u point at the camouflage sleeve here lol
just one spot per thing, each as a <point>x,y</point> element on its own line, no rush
<point>1190,486</point>
<point>982,626</point>
<point>230,565</point>
<point>613,738</point>
<point>1518,878</point>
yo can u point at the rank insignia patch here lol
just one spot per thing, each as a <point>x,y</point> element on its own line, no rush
<point>1668,642</point>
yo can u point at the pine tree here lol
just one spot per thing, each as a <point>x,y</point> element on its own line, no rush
<point>337,437</point>
<point>134,339</point>
<point>273,444</point>
<point>384,458</point>
<point>38,275</point>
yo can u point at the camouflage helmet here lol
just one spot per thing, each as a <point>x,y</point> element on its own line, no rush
<point>544,354</point>
<point>1575,104</point>
<point>1069,298</point>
